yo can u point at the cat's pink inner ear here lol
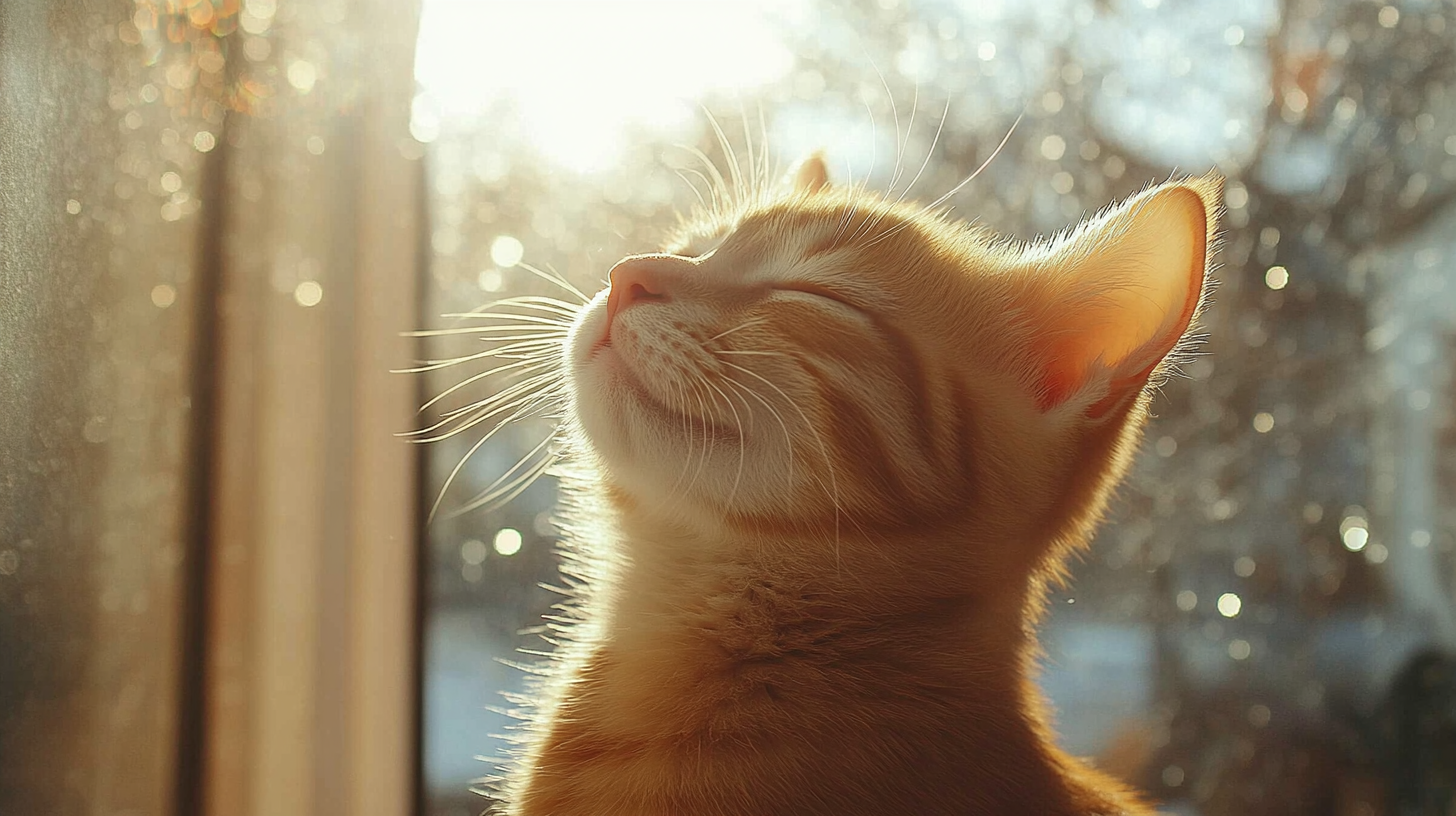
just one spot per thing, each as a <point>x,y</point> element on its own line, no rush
<point>1127,286</point>
<point>812,175</point>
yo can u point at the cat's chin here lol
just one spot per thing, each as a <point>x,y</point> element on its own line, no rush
<point>623,415</point>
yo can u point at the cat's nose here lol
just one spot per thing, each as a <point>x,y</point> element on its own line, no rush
<point>643,278</point>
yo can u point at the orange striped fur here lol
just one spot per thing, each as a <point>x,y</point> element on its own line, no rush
<point>830,453</point>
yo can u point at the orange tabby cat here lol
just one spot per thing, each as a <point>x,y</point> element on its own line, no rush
<point>832,450</point>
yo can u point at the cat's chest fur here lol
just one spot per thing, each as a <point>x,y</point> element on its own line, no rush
<point>751,689</point>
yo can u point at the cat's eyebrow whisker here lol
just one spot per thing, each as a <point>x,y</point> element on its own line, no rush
<point>874,160</point>
<point>768,171</point>
<point>929,152</point>
<point>904,146</point>
<point>693,186</point>
<point>885,210</point>
<point>894,117</point>
<point>734,170</point>
<point>887,207</point>
<point>749,352</point>
<point>712,191</point>
<point>956,189</point>
<point>753,191</point>
<point>851,204</point>
<point>714,204</point>
<point>720,185</point>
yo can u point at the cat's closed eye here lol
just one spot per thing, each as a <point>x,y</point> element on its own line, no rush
<point>819,292</point>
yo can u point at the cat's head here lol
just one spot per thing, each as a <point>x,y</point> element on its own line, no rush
<point>833,361</point>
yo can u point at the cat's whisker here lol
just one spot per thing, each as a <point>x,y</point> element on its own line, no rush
<point>455,472</point>
<point>534,331</point>
<point>773,412</point>
<point>470,414</point>
<point>516,350</point>
<point>679,405</point>
<point>687,430</point>
<point>555,278</point>
<point>538,320</point>
<point>513,482</point>
<point>507,398</point>
<point>742,437</point>
<point>818,439</point>
<point>535,384</point>
<point>475,413</point>
<point>707,440</point>
<point>520,367</point>
<point>561,307</point>
<point>526,407</point>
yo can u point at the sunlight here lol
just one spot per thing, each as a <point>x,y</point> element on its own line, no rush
<point>580,76</point>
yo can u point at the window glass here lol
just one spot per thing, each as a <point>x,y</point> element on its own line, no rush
<point>1261,627</point>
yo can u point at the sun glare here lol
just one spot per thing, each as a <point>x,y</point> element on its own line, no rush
<point>580,76</point>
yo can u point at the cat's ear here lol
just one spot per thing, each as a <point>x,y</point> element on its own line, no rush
<point>810,176</point>
<point>1119,293</point>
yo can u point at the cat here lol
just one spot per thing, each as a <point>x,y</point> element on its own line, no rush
<point>827,451</point>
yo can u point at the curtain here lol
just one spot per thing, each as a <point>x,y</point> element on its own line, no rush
<point>208,248</point>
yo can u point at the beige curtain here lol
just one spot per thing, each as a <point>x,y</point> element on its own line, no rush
<point>208,228</point>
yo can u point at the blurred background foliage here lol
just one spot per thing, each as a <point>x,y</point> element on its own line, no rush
<point>1264,627</point>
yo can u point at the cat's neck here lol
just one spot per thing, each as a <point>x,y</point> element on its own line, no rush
<point>820,687</point>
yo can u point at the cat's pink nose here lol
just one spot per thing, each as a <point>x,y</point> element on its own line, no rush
<point>642,278</point>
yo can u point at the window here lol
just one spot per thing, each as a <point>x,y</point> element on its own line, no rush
<point>1260,627</point>
<point>219,218</point>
